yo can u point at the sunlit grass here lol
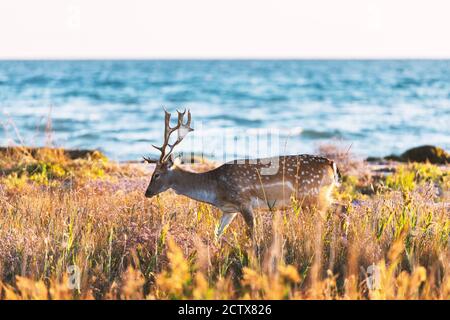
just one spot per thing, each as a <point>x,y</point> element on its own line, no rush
<point>56,212</point>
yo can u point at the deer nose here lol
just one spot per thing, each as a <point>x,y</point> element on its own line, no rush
<point>148,194</point>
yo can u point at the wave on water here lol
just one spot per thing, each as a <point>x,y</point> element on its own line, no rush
<point>380,107</point>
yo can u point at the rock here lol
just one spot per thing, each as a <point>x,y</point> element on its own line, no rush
<point>374,159</point>
<point>431,154</point>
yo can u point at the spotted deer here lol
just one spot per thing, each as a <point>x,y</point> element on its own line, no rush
<point>240,186</point>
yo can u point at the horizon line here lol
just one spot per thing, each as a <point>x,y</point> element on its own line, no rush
<point>212,58</point>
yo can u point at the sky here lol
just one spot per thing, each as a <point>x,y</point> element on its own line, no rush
<point>101,29</point>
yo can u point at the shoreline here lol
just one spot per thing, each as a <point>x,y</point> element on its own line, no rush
<point>420,154</point>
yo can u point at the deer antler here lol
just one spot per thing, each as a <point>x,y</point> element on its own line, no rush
<point>182,129</point>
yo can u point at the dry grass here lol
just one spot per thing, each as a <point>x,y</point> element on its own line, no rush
<point>56,212</point>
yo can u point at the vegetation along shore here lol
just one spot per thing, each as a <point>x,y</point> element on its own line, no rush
<point>64,210</point>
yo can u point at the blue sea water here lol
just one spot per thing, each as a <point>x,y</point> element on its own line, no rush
<point>377,107</point>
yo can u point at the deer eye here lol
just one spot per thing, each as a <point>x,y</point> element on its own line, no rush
<point>156,175</point>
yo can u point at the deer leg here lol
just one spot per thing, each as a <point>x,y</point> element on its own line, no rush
<point>224,222</point>
<point>247,214</point>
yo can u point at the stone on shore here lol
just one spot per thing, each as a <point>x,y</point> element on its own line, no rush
<point>422,154</point>
<point>431,154</point>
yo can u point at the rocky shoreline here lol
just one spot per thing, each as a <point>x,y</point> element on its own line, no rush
<point>422,154</point>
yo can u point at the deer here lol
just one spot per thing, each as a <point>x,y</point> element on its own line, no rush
<point>241,186</point>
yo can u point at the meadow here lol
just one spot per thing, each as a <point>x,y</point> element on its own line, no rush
<point>387,239</point>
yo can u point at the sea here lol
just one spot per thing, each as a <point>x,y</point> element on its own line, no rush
<point>239,108</point>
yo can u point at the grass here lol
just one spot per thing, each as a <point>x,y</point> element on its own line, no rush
<point>389,238</point>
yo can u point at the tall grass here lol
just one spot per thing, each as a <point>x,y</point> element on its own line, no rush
<point>388,238</point>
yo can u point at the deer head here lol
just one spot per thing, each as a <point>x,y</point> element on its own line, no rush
<point>161,177</point>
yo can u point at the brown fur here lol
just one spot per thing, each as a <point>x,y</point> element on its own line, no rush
<point>242,185</point>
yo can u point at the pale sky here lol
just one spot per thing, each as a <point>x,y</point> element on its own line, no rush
<point>224,29</point>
